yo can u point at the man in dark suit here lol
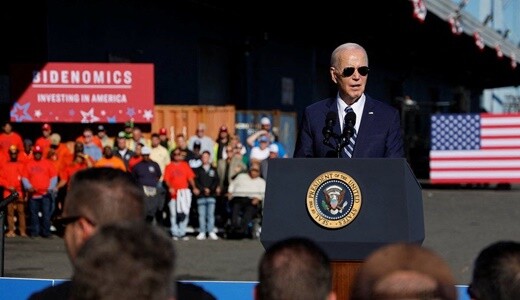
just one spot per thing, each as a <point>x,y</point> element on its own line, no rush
<point>375,127</point>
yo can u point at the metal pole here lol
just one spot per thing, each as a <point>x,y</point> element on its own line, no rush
<point>2,240</point>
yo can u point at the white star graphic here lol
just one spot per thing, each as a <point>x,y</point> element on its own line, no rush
<point>148,114</point>
<point>88,116</point>
<point>103,112</point>
<point>37,113</point>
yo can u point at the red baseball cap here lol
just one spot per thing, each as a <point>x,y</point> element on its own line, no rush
<point>37,149</point>
<point>46,126</point>
<point>223,128</point>
<point>162,131</point>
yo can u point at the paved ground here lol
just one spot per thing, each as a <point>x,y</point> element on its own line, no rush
<point>458,221</point>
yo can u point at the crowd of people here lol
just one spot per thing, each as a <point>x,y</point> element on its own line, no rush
<point>107,195</point>
<point>394,271</point>
<point>111,245</point>
<point>186,179</point>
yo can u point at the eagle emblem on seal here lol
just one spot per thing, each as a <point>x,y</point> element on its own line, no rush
<point>334,199</point>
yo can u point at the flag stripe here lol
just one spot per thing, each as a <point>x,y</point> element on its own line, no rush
<point>500,131</point>
<point>468,164</point>
<point>475,148</point>
<point>501,153</point>
<point>475,175</point>
<point>502,142</point>
<point>476,180</point>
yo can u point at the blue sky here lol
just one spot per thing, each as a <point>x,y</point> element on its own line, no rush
<point>510,10</point>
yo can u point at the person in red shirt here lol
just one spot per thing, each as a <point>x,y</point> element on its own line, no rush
<point>179,176</point>
<point>44,141</point>
<point>39,180</point>
<point>136,158</point>
<point>11,181</point>
<point>7,138</point>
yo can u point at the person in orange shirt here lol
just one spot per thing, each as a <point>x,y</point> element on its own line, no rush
<point>25,154</point>
<point>44,141</point>
<point>59,154</point>
<point>39,180</point>
<point>109,160</point>
<point>7,138</point>
<point>11,181</point>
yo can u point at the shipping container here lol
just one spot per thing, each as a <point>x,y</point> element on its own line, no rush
<point>185,118</point>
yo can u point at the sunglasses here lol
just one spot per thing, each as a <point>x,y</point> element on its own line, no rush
<point>62,222</point>
<point>348,71</point>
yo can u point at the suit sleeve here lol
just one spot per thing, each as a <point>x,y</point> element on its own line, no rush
<point>304,140</point>
<point>394,142</point>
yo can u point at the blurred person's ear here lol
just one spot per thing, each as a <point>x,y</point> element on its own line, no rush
<point>87,228</point>
<point>332,296</point>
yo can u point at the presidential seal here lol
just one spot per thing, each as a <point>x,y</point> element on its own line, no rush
<point>333,199</point>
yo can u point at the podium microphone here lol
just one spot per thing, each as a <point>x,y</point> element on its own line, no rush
<point>327,131</point>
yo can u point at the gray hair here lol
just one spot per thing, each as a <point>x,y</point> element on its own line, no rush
<point>345,47</point>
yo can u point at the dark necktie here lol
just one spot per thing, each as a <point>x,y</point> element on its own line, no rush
<point>349,147</point>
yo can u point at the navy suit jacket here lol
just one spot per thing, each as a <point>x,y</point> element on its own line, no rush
<point>379,133</point>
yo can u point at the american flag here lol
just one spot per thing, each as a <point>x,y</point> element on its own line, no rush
<point>475,148</point>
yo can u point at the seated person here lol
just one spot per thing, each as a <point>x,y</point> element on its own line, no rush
<point>246,193</point>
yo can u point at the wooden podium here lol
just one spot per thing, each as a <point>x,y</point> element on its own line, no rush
<point>389,209</point>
